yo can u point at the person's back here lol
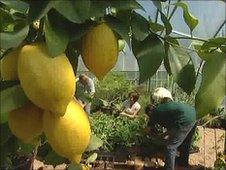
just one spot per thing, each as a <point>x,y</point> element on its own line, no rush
<point>174,114</point>
<point>180,121</point>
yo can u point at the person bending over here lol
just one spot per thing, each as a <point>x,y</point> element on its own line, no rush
<point>179,119</point>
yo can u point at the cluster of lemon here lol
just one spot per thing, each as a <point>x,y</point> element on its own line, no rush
<point>49,84</point>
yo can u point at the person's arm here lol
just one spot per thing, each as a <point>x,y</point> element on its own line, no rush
<point>133,110</point>
<point>128,115</point>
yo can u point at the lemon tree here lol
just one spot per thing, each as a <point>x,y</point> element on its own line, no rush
<point>40,44</point>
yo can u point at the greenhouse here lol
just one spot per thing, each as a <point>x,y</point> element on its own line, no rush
<point>113,84</point>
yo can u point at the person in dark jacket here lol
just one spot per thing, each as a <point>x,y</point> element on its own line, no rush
<point>180,121</point>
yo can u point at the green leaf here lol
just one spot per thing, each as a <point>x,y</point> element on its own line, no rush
<point>118,26</point>
<point>125,17</point>
<point>12,98</point>
<point>206,55</point>
<point>213,43</point>
<point>156,27</point>
<point>39,9</point>
<point>167,65</point>
<point>166,23</point>
<point>97,8</point>
<point>26,148</point>
<point>52,158</point>
<point>74,167</point>
<point>223,49</point>
<point>13,39</point>
<point>172,41</point>
<point>4,117</point>
<point>183,73</point>
<point>17,5</point>
<point>56,37</point>
<point>75,11</point>
<point>72,54</point>
<point>189,19</point>
<point>178,58</point>
<point>7,84</point>
<point>140,26</point>
<point>5,133</point>
<point>95,143</point>
<point>149,54</point>
<point>91,158</point>
<point>187,78</point>
<point>78,30</point>
<point>5,19</point>
<point>212,89</point>
<point>157,4</point>
<point>125,4</point>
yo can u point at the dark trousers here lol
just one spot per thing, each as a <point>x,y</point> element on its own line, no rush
<point>180,139</point>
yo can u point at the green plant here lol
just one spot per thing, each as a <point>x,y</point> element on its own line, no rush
<point>220,163</point>
<point>196,138</point>
<point>118,130</point>
<point>111,92</point>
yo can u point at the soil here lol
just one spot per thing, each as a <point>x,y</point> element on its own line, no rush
<point>211,143</point>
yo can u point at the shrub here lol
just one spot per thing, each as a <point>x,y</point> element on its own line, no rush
<point>118,130</point>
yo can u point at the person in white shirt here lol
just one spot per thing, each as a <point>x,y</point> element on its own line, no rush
<point>131,107</point>
<point>88,90</point>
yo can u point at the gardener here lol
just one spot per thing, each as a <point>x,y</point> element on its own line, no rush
<point>85,91</point>
<point>131,107</point>
<point>179,119</point>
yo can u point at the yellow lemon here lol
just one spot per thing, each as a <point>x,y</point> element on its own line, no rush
<point>100,50</point>
<point>68,135</point>
<point>26,122</point>
<point>9,66</point>
<point>48,82</point>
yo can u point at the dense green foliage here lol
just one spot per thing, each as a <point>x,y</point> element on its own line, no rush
<point>118,131</point>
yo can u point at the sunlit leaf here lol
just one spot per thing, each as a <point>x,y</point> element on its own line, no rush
<point>205,55</point>
<point>182,68</point>
<point>189,19</point>
<point>12,98</point>
<point>149,54</point>
<point>91,158</point>
<point>212,90</point>
<point>56,38</point>
<point>95,143</point>
<point>178,58</point>
<point>140,26</point>
<point>13,39</point>
<point>213,43</point>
